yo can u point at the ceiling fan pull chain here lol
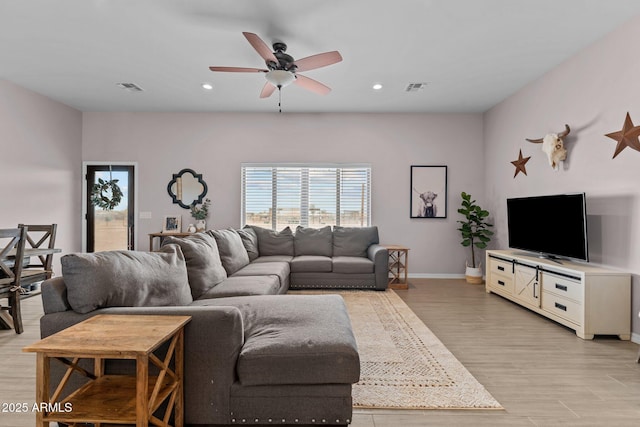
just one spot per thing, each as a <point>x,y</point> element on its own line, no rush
<point>280,98</point>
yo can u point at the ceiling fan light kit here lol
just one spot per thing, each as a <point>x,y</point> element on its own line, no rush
<point>282,68</point>
<point>280,78</point>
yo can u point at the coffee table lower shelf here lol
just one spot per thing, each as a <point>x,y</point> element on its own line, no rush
<point>108,399</point>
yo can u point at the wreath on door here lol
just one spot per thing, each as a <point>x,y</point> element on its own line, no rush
<point>106,194</point>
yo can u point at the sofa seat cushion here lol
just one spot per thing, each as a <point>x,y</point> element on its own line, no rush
<point>311,263</point>
<point>297,339</point>
<point>279,269</point>
<point>352,264</point>
<point>126,279</point>
<point>274,258</point>
<point>241,286</point>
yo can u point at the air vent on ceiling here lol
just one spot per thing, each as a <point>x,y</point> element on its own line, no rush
<point>415,87</point>
<point>131,87</point>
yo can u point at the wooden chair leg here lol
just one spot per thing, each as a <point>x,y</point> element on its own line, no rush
<point>16,313</point>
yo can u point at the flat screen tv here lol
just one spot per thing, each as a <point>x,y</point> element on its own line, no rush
<point>553,226</point>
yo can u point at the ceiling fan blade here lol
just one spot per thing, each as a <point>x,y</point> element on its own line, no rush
<point>238,70</point>
<point>267,90</point>
<point>312,85</point>
<point>317,61</point>
<point>261,47</point>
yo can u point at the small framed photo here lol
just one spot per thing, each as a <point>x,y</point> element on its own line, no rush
<point>172,224</point>
<point>428,192</point>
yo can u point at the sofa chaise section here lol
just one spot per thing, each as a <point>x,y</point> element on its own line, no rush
<point>248,359</point>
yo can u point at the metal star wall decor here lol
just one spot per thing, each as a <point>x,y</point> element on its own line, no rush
<point>627,137</point>
<point>519,164</point>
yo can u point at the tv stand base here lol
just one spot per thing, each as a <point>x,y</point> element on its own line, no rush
<point>590,300</point>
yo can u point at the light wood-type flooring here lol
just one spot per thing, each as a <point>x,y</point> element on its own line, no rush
<point>541,373</point>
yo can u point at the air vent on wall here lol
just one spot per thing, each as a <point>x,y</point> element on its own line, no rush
<point>415,87</point>
<point>131,87</point>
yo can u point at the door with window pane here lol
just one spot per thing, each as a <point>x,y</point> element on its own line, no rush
<point>111,229</point>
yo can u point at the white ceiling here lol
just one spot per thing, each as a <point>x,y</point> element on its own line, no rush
<point>473,53</point>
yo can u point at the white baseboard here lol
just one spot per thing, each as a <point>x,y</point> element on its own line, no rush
<point>435,276</point>
<point>635,338</point>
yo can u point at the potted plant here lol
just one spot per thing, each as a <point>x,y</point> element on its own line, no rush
<point>200,214</point>
<point>475,233</point>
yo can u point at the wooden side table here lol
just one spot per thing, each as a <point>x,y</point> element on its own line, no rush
<point>398,266</point>
<point>118,399</point>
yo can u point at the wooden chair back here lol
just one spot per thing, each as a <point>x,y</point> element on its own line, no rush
<point>11,250</point>
<point>41,236</point>
<point>12,241</point>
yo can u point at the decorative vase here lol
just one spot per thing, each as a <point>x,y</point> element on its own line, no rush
<point>473,275</point>
<point>201,225</point>
<point>191,228</point>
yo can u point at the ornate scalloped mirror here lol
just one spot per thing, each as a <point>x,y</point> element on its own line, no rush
<point>187,188</point>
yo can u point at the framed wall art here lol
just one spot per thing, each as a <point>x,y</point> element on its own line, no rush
<point>428,192</point>
<point>172,224</point>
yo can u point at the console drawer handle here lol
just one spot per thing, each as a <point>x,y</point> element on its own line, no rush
<point>561,307</point>
<point>500,268</point>
<point>561,287</point>
<point>500,282</point>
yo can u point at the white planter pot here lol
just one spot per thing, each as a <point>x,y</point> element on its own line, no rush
<point>473,275</point>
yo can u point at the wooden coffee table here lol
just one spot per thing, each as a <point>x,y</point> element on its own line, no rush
<point>117,399</point>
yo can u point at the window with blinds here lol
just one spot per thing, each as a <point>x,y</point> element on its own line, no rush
<point>277,196</point>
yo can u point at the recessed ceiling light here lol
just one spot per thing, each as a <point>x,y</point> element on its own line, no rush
<point>207,86</point>
<point>377,86</point>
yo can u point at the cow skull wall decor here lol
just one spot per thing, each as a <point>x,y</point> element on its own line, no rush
<point>553,146</point>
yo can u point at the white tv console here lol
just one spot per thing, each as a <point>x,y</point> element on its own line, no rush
<point>590,300</point>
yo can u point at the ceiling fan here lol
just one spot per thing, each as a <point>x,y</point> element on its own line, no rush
<point>282,69</point>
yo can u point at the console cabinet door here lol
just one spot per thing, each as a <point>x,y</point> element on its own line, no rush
<point>527,285</point>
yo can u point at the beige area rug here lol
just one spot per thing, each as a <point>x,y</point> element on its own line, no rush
<point>403,364</point>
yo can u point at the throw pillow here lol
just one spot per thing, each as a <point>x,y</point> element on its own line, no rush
<point>126,279</point>
<point>272,242</point>
<point>353,241</point>
<point>313,241</point>
<point>232,252</point>
<point>250,242</point>
<point>204,267</point>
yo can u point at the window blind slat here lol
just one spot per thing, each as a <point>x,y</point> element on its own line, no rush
<point>275,196</point>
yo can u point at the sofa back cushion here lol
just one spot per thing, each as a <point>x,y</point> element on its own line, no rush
<point>204,267</point>
<point>313,241</point>
<point>353,241</point>
<point>232,252</point>
<point>272,242</point>
<point>250,242</point>
<point>126,279</point>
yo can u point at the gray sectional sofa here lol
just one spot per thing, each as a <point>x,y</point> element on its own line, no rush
<point>252,355</point>
<point>259,261</point>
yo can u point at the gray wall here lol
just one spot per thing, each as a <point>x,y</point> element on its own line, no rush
<point>216,144</point>
<point>592,92</point>
<point>40,165</point>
